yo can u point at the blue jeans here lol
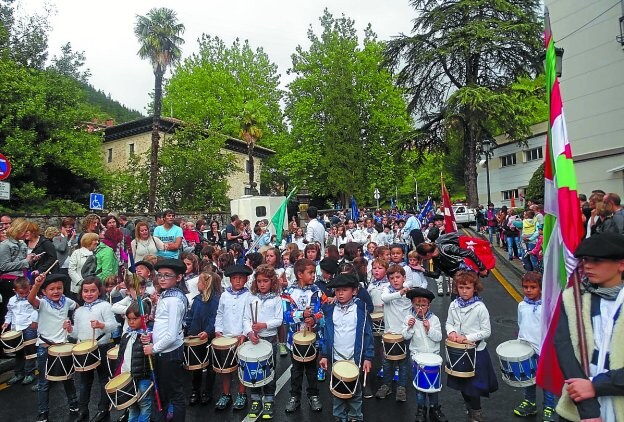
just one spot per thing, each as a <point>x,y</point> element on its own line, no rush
<point>405,369</point>
<point>43,395</point>
<point>141,411</point>
<point>492,231</point>
<point>422,399</point>
<point>23,366</point>
<point>530,394</point>
<point>510,242</point>
<point>85,382</point>
<point>349,409</point>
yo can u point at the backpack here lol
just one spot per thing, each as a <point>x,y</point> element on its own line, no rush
<point>89,267</point>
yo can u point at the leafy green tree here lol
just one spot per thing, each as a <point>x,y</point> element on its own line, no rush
<point>535,190</point>
<point>71,63</point>
<point>159,35</point>
<point>346,114</point>
<point>193,170</point>
<point>458,67</point>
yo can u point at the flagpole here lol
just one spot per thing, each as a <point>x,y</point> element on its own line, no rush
<point>580,324</point>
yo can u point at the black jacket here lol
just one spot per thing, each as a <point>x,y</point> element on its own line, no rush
<point>139,367</point>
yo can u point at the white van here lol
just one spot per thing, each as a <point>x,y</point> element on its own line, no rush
<point>255,208</point>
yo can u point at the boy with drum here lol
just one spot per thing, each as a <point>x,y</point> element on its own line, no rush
<point>302,312</point>
<point>529,321</point>
<point>348,337</point>
<point>396,308</point>
<point>424,331</point>
<point>21,316</point>
<point>167,338</point>
<point>53,308</point>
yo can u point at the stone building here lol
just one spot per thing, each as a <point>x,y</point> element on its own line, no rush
<point>135,137</point>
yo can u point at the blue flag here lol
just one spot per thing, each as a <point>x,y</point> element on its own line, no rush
<point>426,209</point>
<point>355,213</point>
<point>391,202</point>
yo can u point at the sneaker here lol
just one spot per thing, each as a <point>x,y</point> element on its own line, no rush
<point>283,351</point>
<point>15,379</point>
<point>368,392</point>
<point>194,399</point>
<point>28,379</point>
<point>293,404</point>
<point>526,408</point>
<point>267,412</point>
<point>320,375</point>
<point>74,409</point>
<point>240,402</point>
<point>224,402</point>
<point>549,414</point>
<point>255,409</point>
<point>436,415</point>
<point>42,417</point>
<point>380,373</point>
<point>383,392</point>
<point>35,388</point>
<point>315,403</point>
<point>401,394</point>
<point>395,378</point>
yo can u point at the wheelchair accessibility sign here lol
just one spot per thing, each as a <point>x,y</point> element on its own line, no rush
<point>96,201</point>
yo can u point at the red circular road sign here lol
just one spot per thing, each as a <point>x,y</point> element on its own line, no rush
<point>5,167</point>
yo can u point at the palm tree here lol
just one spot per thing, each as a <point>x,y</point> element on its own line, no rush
<point>250,131</point>
<point>159,35</point>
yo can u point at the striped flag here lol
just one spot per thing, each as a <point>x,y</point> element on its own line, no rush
<point>279,218</point>
<point>562,224</point>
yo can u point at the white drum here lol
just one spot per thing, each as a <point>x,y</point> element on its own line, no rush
<point>518,363</point>
<point>255,363</point>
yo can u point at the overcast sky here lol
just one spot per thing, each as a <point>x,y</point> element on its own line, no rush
<point>104,30</point>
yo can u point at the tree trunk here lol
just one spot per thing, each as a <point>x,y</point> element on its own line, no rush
<point>153,182</point>
<point>252,170</point>
<point>470,167</point>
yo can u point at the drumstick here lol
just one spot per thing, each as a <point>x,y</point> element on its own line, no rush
<point>50,269</point>
<point>252,313</point>
<point>364,384</point>
<point>93,338</point>
<point>256,317</point>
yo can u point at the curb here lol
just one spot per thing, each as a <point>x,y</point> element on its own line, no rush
<point>6,365</point>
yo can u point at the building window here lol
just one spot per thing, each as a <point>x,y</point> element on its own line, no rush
<point>261,212</point>
<point>131,149</point>
<point>110,155</point>
<point>508,160</point>
<point>534,154</point>
<point>508,194</point>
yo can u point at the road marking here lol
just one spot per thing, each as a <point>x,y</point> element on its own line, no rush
<point>506,285</point>
<point>281,382</point>
<point>4,386</point>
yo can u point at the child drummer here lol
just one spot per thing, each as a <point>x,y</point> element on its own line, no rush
<point>132,359</point>
<point>267,317</point>
<point>423,328</point>
<point>168,338</point>
<point>302,308</point>
<point>348,335</point>
<point>529,321</point>
<point>21,316</point>
<point>229,323</point>
<point>53,324</point>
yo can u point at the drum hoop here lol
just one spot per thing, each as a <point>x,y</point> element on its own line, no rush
<point>522,358</point>
<point>232,342</point>
<point>298,338</point>
<point>194,341</point>
<point>332,386</point>
<point>392,338</point>
<point>120,383</point>
<point>253,347</point>
<point>343,377</point>
<point>438,361</point>
<point>67,373</point>
<point>7,336</point>
<point>460,346</point>
<point>78,349</point>
<point>113,356</point>
<point>64,349</point>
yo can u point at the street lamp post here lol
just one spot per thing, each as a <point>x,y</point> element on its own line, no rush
<point>487,150</point>
<point>377,196</point>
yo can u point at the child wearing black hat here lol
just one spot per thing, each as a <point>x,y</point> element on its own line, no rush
<point>168,337</point>
<point>348,336</point>
<point>53,324</point>
<point>424,331</point>
<point>598,395</point>
<point>229,323</point>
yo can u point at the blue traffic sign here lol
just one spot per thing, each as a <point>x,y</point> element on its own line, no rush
<point>96,201</point>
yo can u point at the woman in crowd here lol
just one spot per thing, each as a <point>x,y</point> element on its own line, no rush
<point>42,247</point>
<point>144,243</point>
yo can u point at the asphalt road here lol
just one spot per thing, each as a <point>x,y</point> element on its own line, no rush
<point>18,403</point>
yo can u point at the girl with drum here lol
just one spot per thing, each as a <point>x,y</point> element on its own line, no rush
<point>93,323</point>
<point>21,317</point>
<point>262,319</point>
<point>53,324</point>
<point>468,326</point>
<point>349,345</point>
<point>424,331</point>
<point>203,316</point>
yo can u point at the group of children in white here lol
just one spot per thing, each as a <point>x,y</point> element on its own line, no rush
<point>355,333</point>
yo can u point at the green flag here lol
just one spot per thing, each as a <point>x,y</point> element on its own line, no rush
<point>279,218</point>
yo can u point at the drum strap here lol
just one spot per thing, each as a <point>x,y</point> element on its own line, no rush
<point>342,356</point>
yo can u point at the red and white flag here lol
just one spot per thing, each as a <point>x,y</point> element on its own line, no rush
<point>450,225</point>
<point>563,228</point>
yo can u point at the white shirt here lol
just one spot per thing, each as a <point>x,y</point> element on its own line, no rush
<point>315,232</point>
<point>83,316</point>
<point>414,278</point>
<point>269,311</point>
<point>530,324</point>
<point>51,321</point>
<point>473,322</point>
<point>167,334</point>
<point>421,340</point>
<point>76,261</point>
<point>345,324</point>
<point>230,312</point>
<point>396,308</point>
<point>375,289</point>
<point>20,313</point>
